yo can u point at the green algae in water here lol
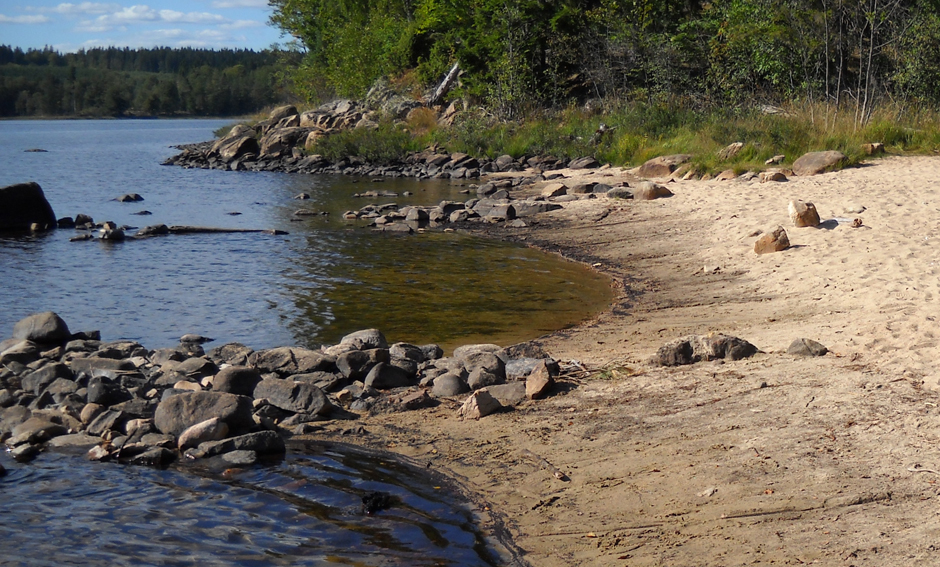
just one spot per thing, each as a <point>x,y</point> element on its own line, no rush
<point>450,289</point>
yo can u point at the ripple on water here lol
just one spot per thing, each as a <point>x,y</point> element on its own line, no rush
<point>304,510</point>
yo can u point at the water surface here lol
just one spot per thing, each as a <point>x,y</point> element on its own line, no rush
<point>326,278</point>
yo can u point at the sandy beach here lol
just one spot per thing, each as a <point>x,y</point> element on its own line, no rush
<point>776,459</point>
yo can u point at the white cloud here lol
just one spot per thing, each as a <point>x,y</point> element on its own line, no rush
<point>189,18</point>
<point>23,19</point>
<point>84,8</point>
<point>242,24</point>
<point>240,4</point>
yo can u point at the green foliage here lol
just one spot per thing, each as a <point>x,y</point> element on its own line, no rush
<point>386,144</point>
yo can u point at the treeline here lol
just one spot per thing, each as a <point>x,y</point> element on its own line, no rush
<point>136,82</point>
<point>853,54</point>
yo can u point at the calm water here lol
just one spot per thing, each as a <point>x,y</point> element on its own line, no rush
<point>328,277</point>
<point>305,510</point>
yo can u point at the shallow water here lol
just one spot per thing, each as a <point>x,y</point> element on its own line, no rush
<point>305,510</point>
<point>328,277</point>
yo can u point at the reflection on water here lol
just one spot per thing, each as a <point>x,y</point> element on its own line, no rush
<point>305,510</point>
<point>328,277</point>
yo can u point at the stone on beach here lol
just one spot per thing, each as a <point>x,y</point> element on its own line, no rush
<point>773,241</point>
<point>814,163</point>
<point>696,348</point>
<point>803,214</point>
<point>479,404</point>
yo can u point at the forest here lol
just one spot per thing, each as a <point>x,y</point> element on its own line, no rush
<point>137,82</point>
<point>517,56</point>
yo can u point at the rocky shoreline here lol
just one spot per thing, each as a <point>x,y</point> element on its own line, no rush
<point>127,403</point>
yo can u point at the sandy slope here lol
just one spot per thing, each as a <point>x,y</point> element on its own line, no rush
<point>772,460</point>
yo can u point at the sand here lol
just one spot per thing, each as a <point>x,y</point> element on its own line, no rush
<point>776,459</point>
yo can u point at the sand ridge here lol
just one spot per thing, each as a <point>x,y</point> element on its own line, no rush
<point>772,460</point>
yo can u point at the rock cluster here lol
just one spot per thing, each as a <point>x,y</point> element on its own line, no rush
<point>143,406</point>
<point>696,348</point>
<point>280,143</point>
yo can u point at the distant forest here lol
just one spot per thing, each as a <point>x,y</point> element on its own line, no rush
<point>136,82</point>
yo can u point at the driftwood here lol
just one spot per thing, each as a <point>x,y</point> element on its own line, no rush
<point>445,85</point>
<point>214,230</point>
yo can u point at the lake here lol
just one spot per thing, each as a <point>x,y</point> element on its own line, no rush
<point>326,278</point>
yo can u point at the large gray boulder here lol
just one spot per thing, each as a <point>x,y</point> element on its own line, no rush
<point>181,411</point>
<point>24,206</point>
<point>291,395</point>
<point>261,442</point>
<point>815,163</point>
<point>240,380</point>
<point>234,147</point>
<point>290,360</point>
<point>46,328</point>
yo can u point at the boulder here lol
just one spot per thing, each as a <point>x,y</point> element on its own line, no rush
<point>696,348</point>
<point>807,347</point>
<point>104,392</point>
<point>282,112</point>
<point>479,404</point>
<point>803,214</point>
<point>532,208</point>
<point>449,384</point>
<point>584,163</point>
<point>815,163</point>
<point>290,360</point>
<point>385,376</point>
<point>24,207</point>
<point>44,328</point>
<point>777,176</point>
<point>539,382</point>
<point>365,339</point>
<point>235,354</point>
<point>508,394</point>
<point>234,147</point>
<point>178,412</point>
<point>210,430</point>
<point>554,189</point>
<point>280,142</point>
<point>356,364</point>
<point>730,151</point>
<point>262,443</point>
<point>662,166</point>
<point>620,193</point>
<point>38,380</point>
<point>293,396</point>
<point>481,378</point>
<point>647,191</point>
<point>774,241</point>
<point>239,380</point>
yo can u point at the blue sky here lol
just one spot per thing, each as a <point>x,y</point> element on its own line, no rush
<point>69,26</point>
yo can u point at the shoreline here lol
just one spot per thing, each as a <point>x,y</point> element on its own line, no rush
<point>775,458</point>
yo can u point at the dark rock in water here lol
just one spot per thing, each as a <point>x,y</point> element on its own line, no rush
<point>807,347</point>
<point>82,219</point>
<point>130,198</point>
<point>290,395</point>
<point>45,328</point>
<point>695,348</point>
<point>242,458</point>
<point>376,501</point>
<point>155,230</point>
<point>81,238</point>
<point>155,457</point>
<point>3,471</point>
<point>112,235</point>
<point>35,151</point>
<point>240,380</point>
<point>142,213</point>
<point>181,411</point>
<point>65,222</point>
<point>197,339</point>
<point>25,453</point>
<point>261,442</point>
<point>24,206</point>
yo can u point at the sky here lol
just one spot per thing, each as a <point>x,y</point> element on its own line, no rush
<point>70,26</point>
